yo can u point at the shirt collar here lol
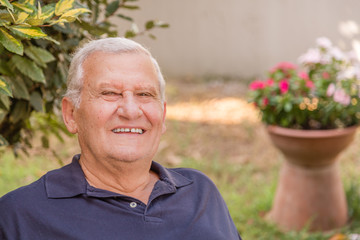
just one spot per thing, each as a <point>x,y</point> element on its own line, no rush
<point>69,181</point>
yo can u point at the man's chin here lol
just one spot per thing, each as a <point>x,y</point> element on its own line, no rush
<point>129,157</point>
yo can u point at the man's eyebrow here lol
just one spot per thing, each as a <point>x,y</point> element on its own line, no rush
<point>146,87</point>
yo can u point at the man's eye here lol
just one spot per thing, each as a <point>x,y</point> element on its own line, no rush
<point>110,93</point>
<point>145,94</point>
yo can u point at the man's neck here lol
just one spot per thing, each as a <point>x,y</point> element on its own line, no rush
<point>133,179</point>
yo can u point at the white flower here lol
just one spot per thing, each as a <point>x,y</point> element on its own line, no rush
<point>313,55</point>
<point>354,236</point>
<point>349,72</point>
<point>352,56</point>
<point>324,42</point>
<point>357,71</point>
<point>336,53</point>
<point>326,59</point>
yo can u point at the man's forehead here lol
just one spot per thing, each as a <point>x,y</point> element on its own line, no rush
<point>119,84</point>
<point>103,54</point>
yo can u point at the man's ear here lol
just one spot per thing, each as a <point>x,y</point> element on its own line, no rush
<point>164,126</point>
<point>68,110</point>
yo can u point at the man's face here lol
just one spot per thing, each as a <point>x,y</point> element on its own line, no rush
<point>121,116</point>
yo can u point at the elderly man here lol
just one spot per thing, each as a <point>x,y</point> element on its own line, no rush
<point>113,190</point>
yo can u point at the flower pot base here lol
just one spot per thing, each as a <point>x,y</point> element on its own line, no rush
<point>309,197</point>
<point>310,192</point>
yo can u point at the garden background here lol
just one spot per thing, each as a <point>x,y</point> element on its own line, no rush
<point>208,55</point>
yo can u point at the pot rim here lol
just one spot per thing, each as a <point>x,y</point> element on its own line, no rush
<point>290,132</point>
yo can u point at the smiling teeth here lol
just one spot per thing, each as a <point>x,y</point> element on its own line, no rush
<point>126,130</point>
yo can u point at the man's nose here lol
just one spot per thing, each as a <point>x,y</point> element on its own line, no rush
<point>128,107</point>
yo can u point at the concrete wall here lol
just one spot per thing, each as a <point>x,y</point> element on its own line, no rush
<point>241,37</point>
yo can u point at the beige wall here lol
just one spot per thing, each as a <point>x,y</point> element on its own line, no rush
<point>240,37</point>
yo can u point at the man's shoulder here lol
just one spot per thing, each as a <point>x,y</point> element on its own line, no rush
<point>190,173</point>
<point>27,193</point>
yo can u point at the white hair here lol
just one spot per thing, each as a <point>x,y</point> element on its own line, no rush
<point>111,45</point>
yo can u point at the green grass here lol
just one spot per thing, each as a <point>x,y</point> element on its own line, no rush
<point>249,199</point>
<point>16,172</point>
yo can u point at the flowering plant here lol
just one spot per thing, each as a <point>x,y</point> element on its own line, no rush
<point>323,94</point>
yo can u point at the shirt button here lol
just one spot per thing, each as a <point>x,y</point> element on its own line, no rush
<point>133,204</point>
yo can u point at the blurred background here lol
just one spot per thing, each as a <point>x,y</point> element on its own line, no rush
<point>208,55</point>
<point>241,38</point>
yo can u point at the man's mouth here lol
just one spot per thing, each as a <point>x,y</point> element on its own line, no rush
<point>128,130</point>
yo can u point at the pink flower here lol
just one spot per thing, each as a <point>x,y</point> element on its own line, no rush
<point>304,75</point>
<point>331,89</point>
<point>265,101</point>
<point>284,86</point>
<point>325,75</point>
<point>270,82</point>
<point>340,96</point>
<point>257,84</point>
<point>283,66</point>
<point>310,84</point>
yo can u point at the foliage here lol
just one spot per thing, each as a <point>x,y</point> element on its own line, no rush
<point>36,40</point>
<point>323,96</point>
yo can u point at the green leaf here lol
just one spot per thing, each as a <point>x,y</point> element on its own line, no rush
<point>5,87</point>
<point>35,21</point>
<point>125,17</point>
<point>28,68</point>
<point>19,112</point>
<point>52,40</point>
<point>63,6</point>
<point>96,30</point>
<point>149,25</point>
<point>71,15</point>
<point>36,101</point>
<point>163,25</point>
<point>28,51</point>
<point>21,17</point>
<point>31,2</point>
<point>4,22</point>
<point>130,7</point>
<point>130,34</point>
<point>28,32</point>
<point>2,115</point>
<point>3,141</point>
<point>288,107</point>
<point>4,68</point>
<point>10,42</point>
<point>48,11</point>
<point>152,36</point>
<point>5,102</point>
<point>39,55</point>
<point>7,4</point>
<point>112,7</point>
<point>24,7</point>
<point>19,88</point>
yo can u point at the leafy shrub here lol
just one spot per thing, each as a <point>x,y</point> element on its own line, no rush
<point>36,40</point>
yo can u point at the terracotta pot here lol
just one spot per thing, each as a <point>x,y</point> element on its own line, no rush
<point>310,192</point>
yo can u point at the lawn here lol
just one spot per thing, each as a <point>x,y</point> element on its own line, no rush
<point>210,127</point>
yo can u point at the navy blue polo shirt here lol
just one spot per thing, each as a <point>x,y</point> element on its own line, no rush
<point>184,204</point>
